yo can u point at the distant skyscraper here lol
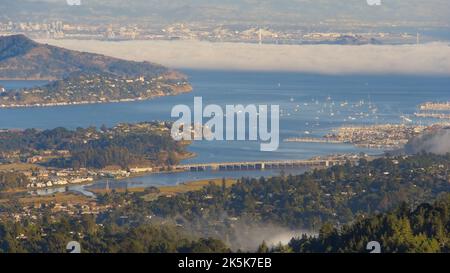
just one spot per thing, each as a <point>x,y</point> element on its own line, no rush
<point>260,36</point>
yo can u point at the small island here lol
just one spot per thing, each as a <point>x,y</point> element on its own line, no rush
<point>78,77</point>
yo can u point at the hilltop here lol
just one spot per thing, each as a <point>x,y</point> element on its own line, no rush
<point>23,58</point>
<point>79,77</point>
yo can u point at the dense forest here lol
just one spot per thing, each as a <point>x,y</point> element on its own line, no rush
<point>424,229</point>
<point>46,236</point>
<point>336,195</point>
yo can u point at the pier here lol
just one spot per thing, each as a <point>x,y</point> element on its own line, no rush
<point>433,115</point>
<point>314,140</point>
<point>435,106</point>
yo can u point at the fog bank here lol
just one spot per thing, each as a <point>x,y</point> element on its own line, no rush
<point>426,59</point>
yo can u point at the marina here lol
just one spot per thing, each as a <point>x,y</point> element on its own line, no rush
<point>435,106</point>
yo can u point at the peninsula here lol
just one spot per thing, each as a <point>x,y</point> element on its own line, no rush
<point>79,78</point>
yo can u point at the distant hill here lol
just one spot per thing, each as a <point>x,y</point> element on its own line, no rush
<point>22,58</point>
<point>78,77</point>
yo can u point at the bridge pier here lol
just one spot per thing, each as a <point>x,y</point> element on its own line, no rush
<point>260,166</point>
<point>198,169</point>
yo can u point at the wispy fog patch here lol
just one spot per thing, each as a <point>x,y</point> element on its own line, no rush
<point>249,237</point>
<point>426,59</point>
<point>435,143</point>
<point>244,234</point>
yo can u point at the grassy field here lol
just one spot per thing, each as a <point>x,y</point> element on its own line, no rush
<point>174,190</point>
<point>55,198</point>
<point>193,186</point>
<point>187,187</point>
<point>19,167</point>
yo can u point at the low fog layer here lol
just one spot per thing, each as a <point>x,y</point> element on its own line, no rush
<point>436,143</point>
<point>427,59</point>
<point>250,237</point>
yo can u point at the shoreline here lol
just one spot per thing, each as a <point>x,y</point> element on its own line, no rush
<point>28,79</point>
<point>183,187</point>
<point>188,183</point>
<point>135,175</point>
<point>56,104</point>
<point>188,155</point>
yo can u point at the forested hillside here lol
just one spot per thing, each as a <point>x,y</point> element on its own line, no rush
<point>424,229</point>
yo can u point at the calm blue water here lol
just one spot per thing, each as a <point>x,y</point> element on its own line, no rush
<point>312,105</point>
<point>9,85</point>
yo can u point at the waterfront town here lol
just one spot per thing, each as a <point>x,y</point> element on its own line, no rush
<point>385,136</point>
<point>94,89</point>
<point>389,136</point>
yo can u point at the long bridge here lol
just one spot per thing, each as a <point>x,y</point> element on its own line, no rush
<point>260,165</point>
